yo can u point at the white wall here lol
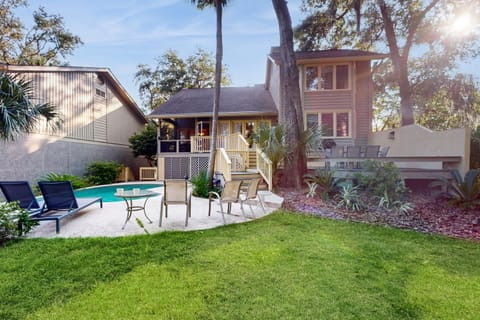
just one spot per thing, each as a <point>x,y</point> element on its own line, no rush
<point>415,140</point>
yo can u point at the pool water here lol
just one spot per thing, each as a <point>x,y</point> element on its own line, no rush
<point>106,192</point>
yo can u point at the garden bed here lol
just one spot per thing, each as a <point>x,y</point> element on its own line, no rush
<point>430,215</point>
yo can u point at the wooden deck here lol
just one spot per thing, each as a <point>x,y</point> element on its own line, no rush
<point>418,168</point>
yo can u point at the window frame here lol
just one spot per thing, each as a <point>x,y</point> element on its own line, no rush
<point>334,80</point>
<point>334,112</point>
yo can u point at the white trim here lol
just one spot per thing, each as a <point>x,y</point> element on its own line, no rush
<point>334,80</point>
<point>334,112</point>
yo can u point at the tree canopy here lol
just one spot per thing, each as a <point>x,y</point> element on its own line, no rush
<point>423,38</point>
<point>45,43</point>
<point>156,84</point>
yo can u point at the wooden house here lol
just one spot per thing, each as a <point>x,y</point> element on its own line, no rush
<point>98,116</point>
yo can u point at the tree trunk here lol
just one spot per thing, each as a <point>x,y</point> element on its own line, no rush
<point>400,65</point>
<point>216,98</point>
<point>290,108</point>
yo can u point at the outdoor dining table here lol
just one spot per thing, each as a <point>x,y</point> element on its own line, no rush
<point>129,195</point>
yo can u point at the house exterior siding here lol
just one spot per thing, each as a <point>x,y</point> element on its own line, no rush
<point>96,125</point>
<point>363,101</point>
<point>274,83</point>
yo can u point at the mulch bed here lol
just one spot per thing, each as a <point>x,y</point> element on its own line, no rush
<point>434,216</point>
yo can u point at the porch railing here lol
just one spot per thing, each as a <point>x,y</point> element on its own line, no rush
<point>223,164</point>
<point>231,142</point>
<point>265,168</point>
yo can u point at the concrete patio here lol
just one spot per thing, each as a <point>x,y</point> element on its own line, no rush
<point>108,221</point>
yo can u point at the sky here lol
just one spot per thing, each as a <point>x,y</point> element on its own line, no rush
<point>120,34</point>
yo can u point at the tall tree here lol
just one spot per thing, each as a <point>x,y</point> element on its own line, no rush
<point>18,113</point>
<point>399,25</point>
<point>218,5</point>
<point>291,108</point>
<point>172,73</point>
<point>45,43</point>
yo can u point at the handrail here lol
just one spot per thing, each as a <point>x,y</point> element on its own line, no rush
<point>265,168</point>
<point>223,164</point>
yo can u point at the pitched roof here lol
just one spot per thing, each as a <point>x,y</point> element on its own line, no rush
<point>105,72</point>
<point>329,55</point>
<point>234,101</point>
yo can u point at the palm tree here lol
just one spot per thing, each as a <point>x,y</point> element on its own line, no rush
<point>18,114</point>
<point>218,5</point>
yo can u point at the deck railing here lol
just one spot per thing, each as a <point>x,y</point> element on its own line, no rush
<point>223,164</point>
<point>265,168</point>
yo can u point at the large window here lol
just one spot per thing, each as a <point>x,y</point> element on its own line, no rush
<point>327,77</point>
<point>333,124</point>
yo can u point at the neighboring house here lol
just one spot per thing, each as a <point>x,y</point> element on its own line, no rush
<point>98,118</point>
<point>336,93</point>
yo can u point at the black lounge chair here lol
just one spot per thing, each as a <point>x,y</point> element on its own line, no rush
<point>20,191</point>
<point>59,197</point>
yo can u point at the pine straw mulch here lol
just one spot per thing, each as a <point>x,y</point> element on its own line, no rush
<point>430,215</point>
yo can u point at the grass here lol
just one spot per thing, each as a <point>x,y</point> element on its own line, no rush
<point>285,266</point>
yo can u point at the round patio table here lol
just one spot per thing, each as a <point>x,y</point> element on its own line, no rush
<point>128,196</point>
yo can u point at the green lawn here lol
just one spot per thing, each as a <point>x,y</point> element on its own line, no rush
<point>285,266</point>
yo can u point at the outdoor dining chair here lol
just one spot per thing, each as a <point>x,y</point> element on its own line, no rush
<point>251,194</point>
<point>175,192</point>
<point>372,151</point>
<point>353,152</point>
<point>230,194</point>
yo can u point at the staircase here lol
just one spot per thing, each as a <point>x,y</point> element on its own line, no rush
<point>248,175</point>
<point>252,159</point>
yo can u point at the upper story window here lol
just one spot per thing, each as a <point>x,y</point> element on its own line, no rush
<point>333,124</point>
<point>327,77</point>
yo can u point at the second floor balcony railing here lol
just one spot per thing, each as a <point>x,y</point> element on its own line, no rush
<point>201,144</point>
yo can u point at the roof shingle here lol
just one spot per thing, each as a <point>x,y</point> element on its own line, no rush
<point>234,101</point>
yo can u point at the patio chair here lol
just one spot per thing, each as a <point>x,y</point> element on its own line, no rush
<point>337,152</point>
<point>175,192</point>
<point>251,194</point>
<point>21,192</point>
<point>372,151</point>
<point>353,152</point>
<point>230,194</point>
<point>383,151</point>
<point>60,199</point>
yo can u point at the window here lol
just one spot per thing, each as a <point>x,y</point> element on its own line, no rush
<point>333,124</point>
<point>332,77</point>
<point>100,93</point>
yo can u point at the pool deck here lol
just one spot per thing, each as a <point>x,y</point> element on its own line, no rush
<point>108,221</point>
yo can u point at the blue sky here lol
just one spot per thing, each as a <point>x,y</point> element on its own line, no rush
<point>124,33</point>
<point>120,34</point>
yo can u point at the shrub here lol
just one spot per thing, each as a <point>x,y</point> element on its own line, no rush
<point>324,180</point>
<point>15,222</point>
<point>200,185</point>
<point>349,197</point>
<point>464,192</point>
<point>77,182</point>
<point>103,172</point>
<point>381,180</point>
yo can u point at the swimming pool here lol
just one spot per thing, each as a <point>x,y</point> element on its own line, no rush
<point>106,192</point>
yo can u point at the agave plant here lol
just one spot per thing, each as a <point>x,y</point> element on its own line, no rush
<point>349,198</point>
<point>324,179</point>
<point>464,192</point>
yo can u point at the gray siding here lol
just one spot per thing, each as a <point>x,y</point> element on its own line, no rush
<point>321,100</point>
<point>274,84</point>
<point>363,98</point>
